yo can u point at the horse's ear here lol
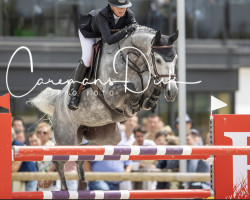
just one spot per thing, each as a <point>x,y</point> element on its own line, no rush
<point>157,37</point>
<point>173,37</point>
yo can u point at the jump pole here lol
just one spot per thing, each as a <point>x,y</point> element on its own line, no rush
<point>108,157</point>
<point>115,176</point>
<point>133,194</point>
<point>132,150</point>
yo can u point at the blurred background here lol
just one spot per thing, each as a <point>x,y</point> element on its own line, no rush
<point>218,50</point>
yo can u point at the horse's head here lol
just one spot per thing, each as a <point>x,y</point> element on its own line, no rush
<point>164,59</point>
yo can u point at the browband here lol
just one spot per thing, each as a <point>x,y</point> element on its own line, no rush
<point>163,47</point>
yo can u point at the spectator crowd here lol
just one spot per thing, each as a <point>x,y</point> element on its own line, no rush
<point>152,131</point>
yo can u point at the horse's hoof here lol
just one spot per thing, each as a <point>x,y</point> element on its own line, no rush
<point>82,185</point>
<point>145,104</point>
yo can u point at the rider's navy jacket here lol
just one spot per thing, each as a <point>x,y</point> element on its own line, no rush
<point>98,23</point>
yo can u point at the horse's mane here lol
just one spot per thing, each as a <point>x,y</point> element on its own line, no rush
<point>144,29</point>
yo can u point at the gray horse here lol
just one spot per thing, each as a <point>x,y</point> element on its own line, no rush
<point>144,65</point>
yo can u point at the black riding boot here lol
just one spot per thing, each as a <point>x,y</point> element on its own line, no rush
<point>80,74</point>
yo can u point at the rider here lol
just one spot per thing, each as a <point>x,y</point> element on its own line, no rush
<point>99,24</point>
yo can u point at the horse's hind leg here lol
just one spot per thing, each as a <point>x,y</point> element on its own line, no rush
<point>82,184</point>
<point>60,169</point>
<point>65,134</point>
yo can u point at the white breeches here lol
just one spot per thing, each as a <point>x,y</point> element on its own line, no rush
<point>86,44</point>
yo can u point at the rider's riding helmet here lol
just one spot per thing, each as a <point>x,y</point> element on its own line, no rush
<point>120,3</point>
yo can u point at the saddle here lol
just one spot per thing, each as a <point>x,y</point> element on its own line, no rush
<point>94,66</point>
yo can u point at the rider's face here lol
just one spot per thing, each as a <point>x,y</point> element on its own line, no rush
<point>119,12</point>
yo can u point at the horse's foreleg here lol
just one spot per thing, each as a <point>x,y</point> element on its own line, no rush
<point>60,169</point>
<point>82,184</point>
<point>119,97</point>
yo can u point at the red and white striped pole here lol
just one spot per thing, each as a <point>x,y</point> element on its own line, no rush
<point>121,194</point>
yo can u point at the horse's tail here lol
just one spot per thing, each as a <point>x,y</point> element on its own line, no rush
<point>45,101</point>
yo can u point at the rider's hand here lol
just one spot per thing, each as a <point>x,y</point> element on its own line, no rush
<point>131,28</point>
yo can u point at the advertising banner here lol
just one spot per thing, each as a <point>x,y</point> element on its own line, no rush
<point>231,173</point>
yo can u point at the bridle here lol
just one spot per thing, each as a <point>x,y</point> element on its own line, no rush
<point>157,75</point>
<point>140,72</point>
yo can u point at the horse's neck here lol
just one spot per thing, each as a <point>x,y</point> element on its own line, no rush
<point>141,45</point>
<point>142,42</point>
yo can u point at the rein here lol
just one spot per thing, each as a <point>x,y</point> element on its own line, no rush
<point>140,72</point>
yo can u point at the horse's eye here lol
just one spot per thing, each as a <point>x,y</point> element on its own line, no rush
<point>158,61</point>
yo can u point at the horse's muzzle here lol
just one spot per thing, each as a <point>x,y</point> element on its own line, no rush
<point>171,91</point>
